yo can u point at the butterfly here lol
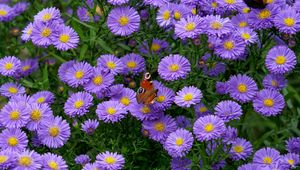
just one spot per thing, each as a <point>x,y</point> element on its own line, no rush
<point>146,94</point>
<point>258,4</point>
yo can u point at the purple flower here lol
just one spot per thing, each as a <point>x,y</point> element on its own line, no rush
<point>38,114</point>
<point>156,3</point>
<point>110,62</point>
<point>293,145</point>
<point>249,166</point>
<point>179,12</point>
<point>262,18</point>
<point>82,159</point>
<point>79,74</point>
<point>65,39</point>
<point>83,14</point>
<point>54,132</point>
<point>78,104</point>
<point>248,35</point>
<point>123,21</point>
<point>230,47</point>
<point>242,88</point>
<point>240,20</point>
<point>9,65</point>
<point>6,13</point>
<point>173,67</point>
<point>8,159</point>
<point>13,140</point>
<point>180,164</point>
<point>127,97</point>
<point>89,126</point>
<point>111,111</point>
<point>53,162</point>
<point>117,2</point>
<point>42,33</point>
<point>217,26</point>
<point>208,127</point>
<point>10,89</point>
<point>274,81</point>
<point>292,159</point>
<point>20,7</point>
<point>188,96</point>
<point>134,63</point>
<point>28,66</point>
<point>268,102</point>
<point>90,166</point>
<point>287,21</point>
<point>100,80</point>
<point>14,115</point>
<point>110,160</point>
<point>164,16</point>
<point>64,68</point>
<point>27,32</point>
<point>221,87</point>
<point>41,97</point>
<point>201,110</point>
<point>157,46</point>
<point>28,160</point>
<point>144,112</point>
<point>47,15</point>
<point>165,96</point>
<point>266,157</point>
<point>240,149</point>
<point>228,110</point>
<point>183,122</point>
<point>179,143</point>
<point>191,27</point>
<point>230,135</point>
<point>280,60</point>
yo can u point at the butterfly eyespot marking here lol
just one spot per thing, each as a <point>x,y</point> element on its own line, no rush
<point>147,76</point>
<point>141,90</point>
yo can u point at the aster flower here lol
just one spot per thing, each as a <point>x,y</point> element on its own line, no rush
<point>221,87</point>
<point>38,114</point>
<point>42,33</point>
<point>266,157</point>
<point>292,159</point>
<point>9,65</point>
<point>6,13</point>
<point>20,99</point>
<point>156,3</point>
<point>79,74</point>
<point>64,68</point>
<point>248,35</point>
<point>10,89</point>
<point>82,159</point>
<point>126,97</point>
<point>240,21</point>
<point>293,145</point>
<point>183,122</point>
<point>189,27</point>
<point>28,160</point>
<point>242,88</point>
<point>229,5</point>
<point>156,46</point>
<point>228,110</point>
<point>230,135</point>
<point>249,166</point>
<point>240,149</point>
<point>159,129</point>
<point>54,133</point>
<point>262,18</point>
<point>164,16</point>
<point>123,21</point>
<point>287,21</point>
<point>280,60</point>
<point>268,102</point>
<point>83,14</point>
<point>179,143</point>
<point>274,81</point>
<point>173,67</point>
<point>144,112</point>
<point>208,127</point>
<point>217,26</point>
<point>90,166</point>
<point>214,69</point>
<point>28,66</point>
<point>8,159</point>
<point>13,140</point>
<point>78,104</point>
<point>134,63</point>
<point>20,7</point>
<point>230,47</point>
<point>27,32</point>
<point>65,39</point>
<point>47,15</point>
<point>179,12</point>
<point>115,90</point>
<point>165,96</point>
<point>111,111</point>
<point>100,80</point>
<point>188,96</point>
<point>42,97</point>
<point>89,126</point>
<point>110,160</point>
<point>117,2</point>
<point>110,62</point>
<point>180,164</point>
<point>201,110</point>
<point>52,161</point>
<point>211,7</point>
<point>14,115</point>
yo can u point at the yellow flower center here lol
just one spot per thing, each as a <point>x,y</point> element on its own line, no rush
<point>194,11</point>
<point>29,31</point>
<point>202,109</point>
<point>12,141</point>
<point>166,15</point>
<point>8,66</point>
<point>155,47</point>
<point>269,102</point>
<point>160,98</point>
<point>111,110</point>
<point>41,100</point>
<point>36,115</point>
<point>228,45</point>
<point>190,26</point>
<point>242,88</point>
<point>188,97</point>
<point>238,149</point>
<point>216,25</point>
<point>280,60</point>
<point>12,90</point>
<point>47,17</point>
<point>159,126</point>
<point>209,127</point>
<point>79,74</point>
<point>267,160</point>
<point>243,24</point>
<point>230,2</point>
<point>174,67</point>
<point>25,68</point>
<point>246,10</point>
<point>289,22</point>
<point>291,161</point>
<point>145,109</point>
<point>269,1</point>
<point>131,64</point>
<point>46,32</point>
<point>64,38</point>
<point>14,115</point>
<point>97,80</point>
<point>53,165</point>
<point>246,36</point>
<point>125,101</point>
<point>124,20</point>
<point>177,15</point>
<point>3,12</point>
<point>214,4</point>
<point>53,131</point>
<point>179,141</point>
<point>3,159</point>
<point>264,14</point>
<point>110,160</point>
<point>111,65</point>
<point>78,104</point>
<point>25,161</point>
<point>274,83</point>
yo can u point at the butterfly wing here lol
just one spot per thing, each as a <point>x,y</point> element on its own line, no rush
<point>258,4</point>
<point>147,97</point>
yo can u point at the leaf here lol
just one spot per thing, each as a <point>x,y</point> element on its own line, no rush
<point>83,51</point>
<point>125,47</point>
<point>45,83</point>
<point>104,45</point>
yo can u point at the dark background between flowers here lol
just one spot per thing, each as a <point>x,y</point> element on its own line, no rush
<point>125,137</point>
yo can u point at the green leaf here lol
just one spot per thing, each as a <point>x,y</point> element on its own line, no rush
<point>104,45</point>
<point>83,51</point>
<point>125,47</point>
<point>45,83</point>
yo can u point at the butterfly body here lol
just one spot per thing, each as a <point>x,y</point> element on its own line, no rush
<point>146,94</point>
<point>258,4</point>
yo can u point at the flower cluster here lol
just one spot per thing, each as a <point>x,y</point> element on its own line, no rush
<point>8,13</point>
